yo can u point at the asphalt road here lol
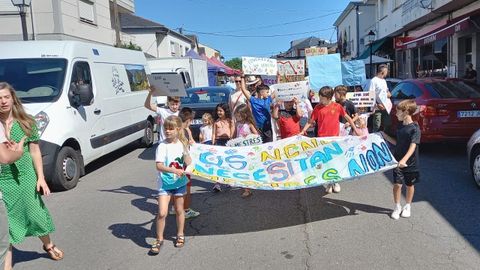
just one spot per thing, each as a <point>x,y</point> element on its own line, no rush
<point>106,222</point>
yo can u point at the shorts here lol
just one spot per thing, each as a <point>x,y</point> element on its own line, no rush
<point>207,142</point>
<point>4,235</point>
<point>408,178</point>
<point>179,192</point>
<point>221,141</point>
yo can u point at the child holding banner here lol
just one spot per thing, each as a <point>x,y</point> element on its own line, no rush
<point>244,126</point>
<point>288,118</point>
<point>206,129</point>
<point>326,115</point>
<point>173,104</point>
<point>348,106</point>
<point>171,157</point>
<point>406,152</point>
<point>222,130</point>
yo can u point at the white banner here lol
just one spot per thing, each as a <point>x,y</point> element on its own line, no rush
<point>291,67</point>
<point>288,91</point>
<point>362,99</point>
<point>259,66</point>
<point>167,84</point>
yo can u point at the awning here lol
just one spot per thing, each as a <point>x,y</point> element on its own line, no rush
<point>438,34</point>
<point>376,60</point>
<point>375,46</point>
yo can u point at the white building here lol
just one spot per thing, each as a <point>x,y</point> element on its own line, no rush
<point>155,39</point>
<point>353,25</point>
<point>89,20</point>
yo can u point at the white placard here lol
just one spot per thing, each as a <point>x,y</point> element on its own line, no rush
<point>291,67</point>
<point>312,51</point>
<point>362,99</point>
<point>167,84</point>
<point>259,66</point>
<point>288,91</point>
<point>251,139</point>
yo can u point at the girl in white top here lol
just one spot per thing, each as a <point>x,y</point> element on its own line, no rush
<point>244,126</point>
<point>207,129</point>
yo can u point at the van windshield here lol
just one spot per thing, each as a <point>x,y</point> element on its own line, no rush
<point>34,80</point>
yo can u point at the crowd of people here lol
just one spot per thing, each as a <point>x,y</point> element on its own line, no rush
<point>250,110</point>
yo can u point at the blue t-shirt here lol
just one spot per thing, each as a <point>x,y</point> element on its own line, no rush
<point>260,109</point>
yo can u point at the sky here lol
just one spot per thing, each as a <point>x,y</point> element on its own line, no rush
<point>258,28</point>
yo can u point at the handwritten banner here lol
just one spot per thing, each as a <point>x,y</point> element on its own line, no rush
<point>291,78</point>
<point>292,163</point>
<point>167,84</point>
<point>362,99</point>
<point>291,67</point>
<point>259,66</point>
<point>324,70</point>
<point>251,139</point>
<point>312,51</point>
<point>288,91</point>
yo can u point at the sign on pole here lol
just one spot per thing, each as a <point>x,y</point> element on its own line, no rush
<point>259,66</point>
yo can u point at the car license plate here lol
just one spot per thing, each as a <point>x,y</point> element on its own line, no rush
<point>197,121</point>
<point>468,114</point>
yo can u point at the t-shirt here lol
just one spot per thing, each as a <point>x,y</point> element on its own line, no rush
<point>236,98</point>
<point>327,119</point>
<point>406,135</point>
<point>261,110</point>
<point>349,108</point>
<point>171,155</point>
<point>306,107</point>
<point>243,130</point>
<point>288,123</point>
<point>380,87</point>
<point>163,113</point>
<point>206,132</point>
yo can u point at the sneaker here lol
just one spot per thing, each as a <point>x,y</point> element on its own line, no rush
<point>396,212</point>
<point>190,213</point>
<point>336,188</point>
<point>329,189</point>
<point>172,211</point>
<point>217,188</point>
<point>406,211</point>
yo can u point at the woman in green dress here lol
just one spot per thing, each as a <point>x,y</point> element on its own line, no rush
<point>23,183</point>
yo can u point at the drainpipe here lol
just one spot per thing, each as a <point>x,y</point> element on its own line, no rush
<point>358,32</point>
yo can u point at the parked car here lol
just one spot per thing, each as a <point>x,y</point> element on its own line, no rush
<point>449,109</point>
<point>473,153</point>
<point>202,100</point>
<point>392,82</point>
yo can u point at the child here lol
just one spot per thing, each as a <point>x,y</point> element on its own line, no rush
<point>288,119</point>
<point>327,114</point>
<point>206,130</point>
<point>222,130</point>
<point>348,106</point>
<point>173,104</point>
<point>244,126</point>
<point>406,152</point>
<point>171,157</point>
<point>261,109</point>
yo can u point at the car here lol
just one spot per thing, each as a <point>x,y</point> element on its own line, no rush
<point>392,82</point>
<point>449,109</point>
<point>204,100</point>
<point>473,153</point>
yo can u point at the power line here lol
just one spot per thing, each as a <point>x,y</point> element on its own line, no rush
<point>256,36</point>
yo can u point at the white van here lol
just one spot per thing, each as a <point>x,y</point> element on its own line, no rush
<point>87,100</point>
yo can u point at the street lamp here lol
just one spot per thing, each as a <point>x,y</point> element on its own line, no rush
<point>21,4</point>
<point>371,38</point>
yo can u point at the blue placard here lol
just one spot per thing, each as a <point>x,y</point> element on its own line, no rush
<point>353,72</point>
<point>324,70</point>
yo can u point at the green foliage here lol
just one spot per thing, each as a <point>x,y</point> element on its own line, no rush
<point>130,46</point>
<point>235,63</point>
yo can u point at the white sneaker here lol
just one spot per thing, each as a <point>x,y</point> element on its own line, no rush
<point>190,213</point>
<point>329,189</point>
<point>406,211</point>
<point>336,188</point>
<point>172,211</point>
<point>396,212</point>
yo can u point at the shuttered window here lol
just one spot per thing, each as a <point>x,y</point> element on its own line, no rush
<point>86,10</point>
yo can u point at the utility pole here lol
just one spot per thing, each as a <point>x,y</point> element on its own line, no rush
<point>116,23</point>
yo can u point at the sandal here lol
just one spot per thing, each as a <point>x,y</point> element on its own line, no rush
<point>54,252</point>
<point>246,193</point>
<point>155,248</point>
<point>180,241</point>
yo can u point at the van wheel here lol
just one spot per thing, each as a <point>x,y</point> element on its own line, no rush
<point>67,169</point>
<point>148,135</point>
<point>475,163</point>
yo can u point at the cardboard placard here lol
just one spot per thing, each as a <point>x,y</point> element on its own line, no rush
<point>259,66</point>
<point>167,84</point>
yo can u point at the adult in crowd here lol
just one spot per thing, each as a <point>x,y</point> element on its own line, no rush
<point>237,98</point>
<point>470,74</point>
<point>252,82</point>
<point>23,183</point>
<point>381,115</point>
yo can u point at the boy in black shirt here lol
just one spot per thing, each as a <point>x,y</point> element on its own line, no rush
<point>341,98</point>
<point>406,152</point>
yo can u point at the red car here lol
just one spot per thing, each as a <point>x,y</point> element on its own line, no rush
<point>449,109</point>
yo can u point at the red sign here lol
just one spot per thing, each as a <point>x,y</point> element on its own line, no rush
<point>399,41</point>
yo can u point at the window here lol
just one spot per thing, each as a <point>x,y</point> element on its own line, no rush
<point>468,50</point>
<point>454,89</point>
<point>137,77</point>
<point>86,11</point>
<point>406,91</point>
<point>81,79</point>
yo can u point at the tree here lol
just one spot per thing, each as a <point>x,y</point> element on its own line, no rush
<point>235,63</point>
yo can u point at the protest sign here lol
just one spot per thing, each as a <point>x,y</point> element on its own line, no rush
<point>312,51</point>
<point>362,99</point>
<point>251,139</point>
<point>269,80</point>
<point>167,84</point>
<point>292,163</point>
<point>259,66</point>
<point>288,91</point>
<point>291,67</point>
<point>324,70</point>
<point>291,78</point>
<point>353,72</point>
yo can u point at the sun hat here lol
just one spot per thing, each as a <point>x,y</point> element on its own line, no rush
<point>252,79</point>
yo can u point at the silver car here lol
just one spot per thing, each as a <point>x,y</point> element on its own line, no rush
<point>473,151</point>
